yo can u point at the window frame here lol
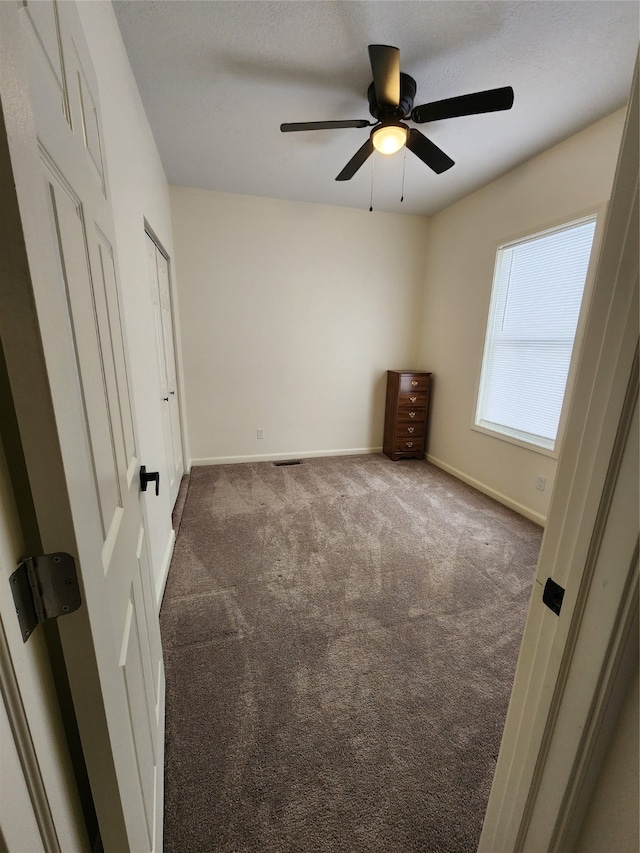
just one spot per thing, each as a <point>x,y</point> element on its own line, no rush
<point>598,213</point>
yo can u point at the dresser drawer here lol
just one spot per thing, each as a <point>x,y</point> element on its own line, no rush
<point>409,430</point>
<point>407,399</point>
<point>409,445</point>
<point>410,454</point>
<point>418,382</point>
<point>411,414</point>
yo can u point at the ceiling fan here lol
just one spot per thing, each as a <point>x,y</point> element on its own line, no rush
<point>391,103</point>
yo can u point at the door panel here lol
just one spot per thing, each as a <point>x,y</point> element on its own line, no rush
<point>106,327</point>
<point>43,28</point>
<point>108,278</point>
<point>153,637</point>
<point>132,666</point>
<point>89,120</point>
<point>74,270</point>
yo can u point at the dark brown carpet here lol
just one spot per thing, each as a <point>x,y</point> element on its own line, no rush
<point>340,639</point>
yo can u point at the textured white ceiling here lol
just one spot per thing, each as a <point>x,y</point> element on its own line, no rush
<point>217,78</point>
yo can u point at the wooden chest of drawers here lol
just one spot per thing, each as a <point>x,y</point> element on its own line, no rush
<point>405,419</point>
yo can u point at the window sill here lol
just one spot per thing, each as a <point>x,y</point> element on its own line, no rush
<point>510,439</point>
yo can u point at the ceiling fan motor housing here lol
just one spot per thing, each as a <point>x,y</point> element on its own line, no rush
<point>387,112</point>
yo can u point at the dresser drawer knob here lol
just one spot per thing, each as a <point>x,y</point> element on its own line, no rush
<point>409,444</point>
<point>411,430</point>
<point>414,382</point>
<point>412,414</point>
<point>413,399</point>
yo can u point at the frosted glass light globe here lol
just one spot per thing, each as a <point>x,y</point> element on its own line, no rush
<point>389,139</point>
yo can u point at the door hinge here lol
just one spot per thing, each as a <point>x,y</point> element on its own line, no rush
<point>44,587</point>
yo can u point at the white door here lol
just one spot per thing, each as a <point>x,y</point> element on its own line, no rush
<point>75,413</point>
<point>158,266</point>
<point>39,804</point>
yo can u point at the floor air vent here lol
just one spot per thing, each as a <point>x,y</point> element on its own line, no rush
<point>288,462</point>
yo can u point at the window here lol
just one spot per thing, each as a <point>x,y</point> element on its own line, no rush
<point>535,303</point>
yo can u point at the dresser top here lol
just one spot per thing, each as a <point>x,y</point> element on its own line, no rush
<point>410,372</point>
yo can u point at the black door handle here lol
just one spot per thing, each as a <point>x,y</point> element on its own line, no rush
<point>151,477</point>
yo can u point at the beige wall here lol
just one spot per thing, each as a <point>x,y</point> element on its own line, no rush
<point>291,314</point>
<point>572,178</point>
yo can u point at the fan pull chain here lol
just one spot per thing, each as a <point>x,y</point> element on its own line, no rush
<point>404,163</point>
<point>373,160</point>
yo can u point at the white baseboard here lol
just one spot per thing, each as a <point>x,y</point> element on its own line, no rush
<point>277,457</point>
<point>162,580</point>
<point>487,490</point>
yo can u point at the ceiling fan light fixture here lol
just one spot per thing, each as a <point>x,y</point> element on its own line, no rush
<point>389,138</point>
<point>391,96</point>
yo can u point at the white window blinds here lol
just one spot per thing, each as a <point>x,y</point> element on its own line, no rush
<point>537,293</point>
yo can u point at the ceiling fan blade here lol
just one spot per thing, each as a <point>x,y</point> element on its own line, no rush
<point>490,101</point>
<point>428,152</point>
<point>356,161</point>
<point>385,64</point>
<point>324,125</point>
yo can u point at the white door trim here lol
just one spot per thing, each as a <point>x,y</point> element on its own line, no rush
<point>19,724</point>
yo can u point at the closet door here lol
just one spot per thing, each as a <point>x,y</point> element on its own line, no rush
<point>161,298</point>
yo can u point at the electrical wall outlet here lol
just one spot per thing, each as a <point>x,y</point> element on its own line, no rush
<point>260,433</point>
<point>541,482</point>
